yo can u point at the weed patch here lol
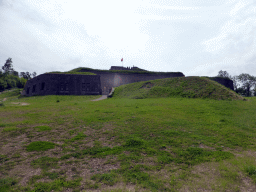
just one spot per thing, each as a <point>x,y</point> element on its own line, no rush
<point>193,156</point>
<point>43,128</point>
<point>107,178</point>
<point>134,142</point>
<point>3,158</point>
<point>40,146</point>
<point>251,171</point>
<point>45,162</point>
<point>7,183</point>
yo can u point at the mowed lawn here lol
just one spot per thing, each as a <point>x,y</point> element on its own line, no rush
<point>70,143</point>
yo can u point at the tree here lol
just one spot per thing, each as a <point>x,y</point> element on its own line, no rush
<point>241,91</point>
<point>34,74</point>
<point>8,66</point>
<point>248,81</point>
<point>235,82</point>
<point>224,74</point>
<point>15,73</point>
<point>21,83</point>
<point>28,75</point>
<point>25,75</point>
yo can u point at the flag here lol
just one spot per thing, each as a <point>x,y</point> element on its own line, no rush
<point>122,60</point>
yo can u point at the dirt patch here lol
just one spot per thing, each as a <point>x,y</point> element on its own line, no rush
<point>101,98</point>
<point>207,178</point>
<point>19,103</point>
<point>14,145</point>
<point>118,187</point>
<point>24,172</point>
<point>87,167</point>
<point>4,99</point>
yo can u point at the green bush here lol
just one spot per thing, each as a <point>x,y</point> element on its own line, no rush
<point>3,84</point>
<point>40,146</point>
<point>11,83</point>
<point>21,83</point>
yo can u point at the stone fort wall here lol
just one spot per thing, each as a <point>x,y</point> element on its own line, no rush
<point>63,84</point>
<point>223,81</point>
<point>100,84</point>
<point>109,80</point>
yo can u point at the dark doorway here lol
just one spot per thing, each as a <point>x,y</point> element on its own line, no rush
<point>42,85</point>
<point>34,89</point>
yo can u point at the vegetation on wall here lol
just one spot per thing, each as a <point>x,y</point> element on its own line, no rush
<point>85,69</point>
<point>71,72</point>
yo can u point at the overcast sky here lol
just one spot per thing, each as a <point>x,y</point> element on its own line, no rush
<point>196,37</point>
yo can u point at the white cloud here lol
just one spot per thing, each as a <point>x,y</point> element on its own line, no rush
<point>188,36</point>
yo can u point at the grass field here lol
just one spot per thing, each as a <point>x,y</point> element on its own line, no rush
<point>70,143</point>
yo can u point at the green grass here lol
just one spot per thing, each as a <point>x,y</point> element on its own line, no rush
<point>11,94</point>
<point>40,146</point>
<point>168,143</point>
<point>6,184</point>
<point>45,162</point>
<point>84,69</point>
<point>188,87</point>
<point>73,72</point>
<point>43,128</point>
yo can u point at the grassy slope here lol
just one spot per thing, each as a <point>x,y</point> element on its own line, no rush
<point>190,87</point>
<point>84,69</point>
<point>73,72</point>
<point>155,144</point>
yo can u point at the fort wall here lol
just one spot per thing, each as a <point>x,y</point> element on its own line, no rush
<point>223,81</point>
<point>109,79</point>
<point>63,84</point>
<point>99,84</point>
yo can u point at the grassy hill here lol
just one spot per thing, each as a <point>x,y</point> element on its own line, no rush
<point>70,143</point>
<point>188,87</point>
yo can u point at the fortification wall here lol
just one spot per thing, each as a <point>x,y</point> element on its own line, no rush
<point>223,81</point>
<point>109,80</point>
<point>63,84</point>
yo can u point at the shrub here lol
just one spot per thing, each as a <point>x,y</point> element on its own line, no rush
<point>21,83</point>
<point>11,83</point>
<point>3,85</point>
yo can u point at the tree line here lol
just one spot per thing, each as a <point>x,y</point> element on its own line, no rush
<point>244,84</point>
<point>9,78</point>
